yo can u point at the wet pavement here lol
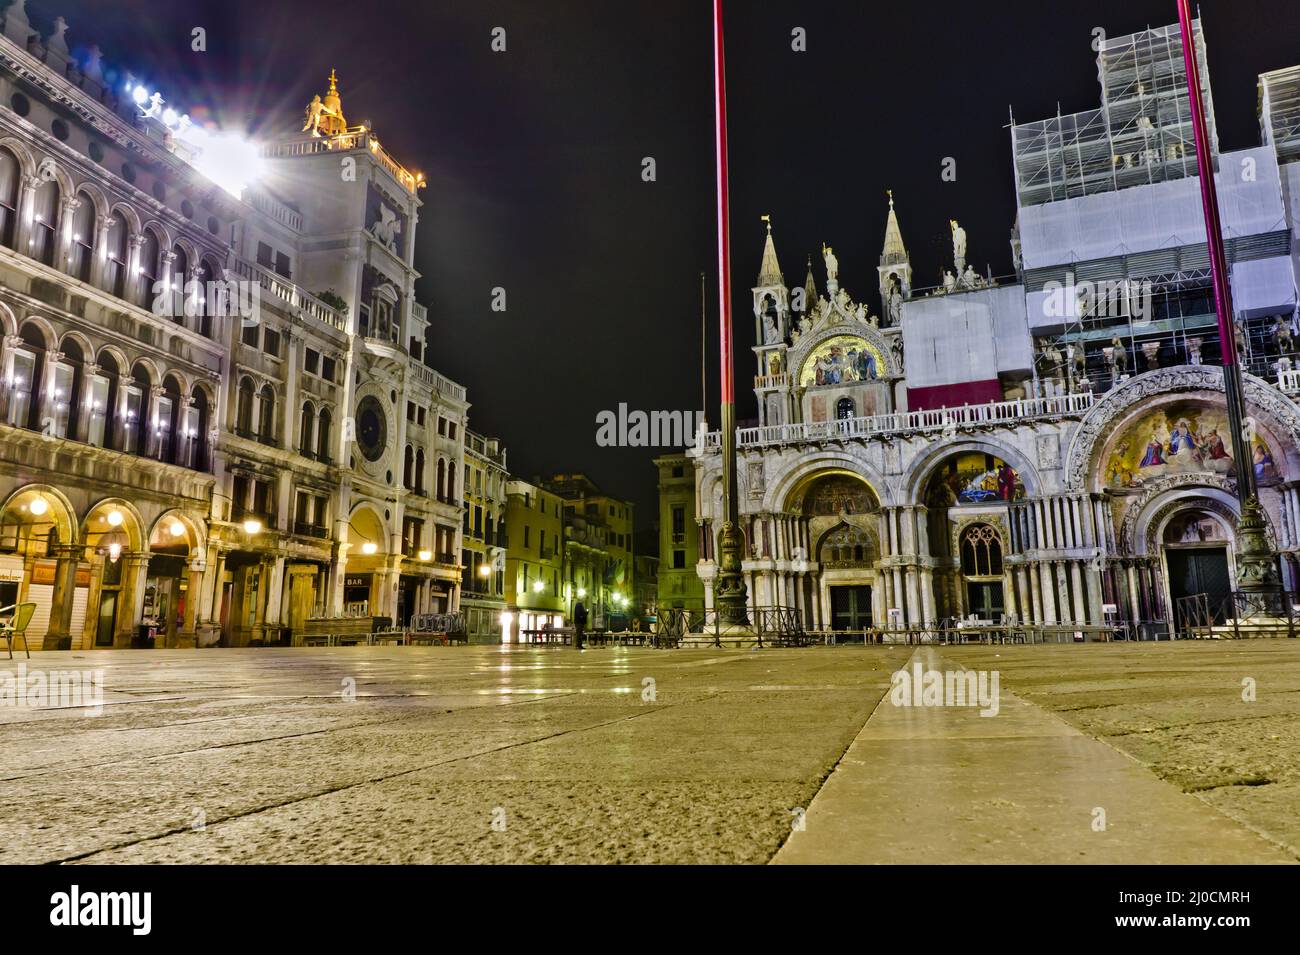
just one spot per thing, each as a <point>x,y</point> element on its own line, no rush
<point>483,754</point>
<point>968,784</point>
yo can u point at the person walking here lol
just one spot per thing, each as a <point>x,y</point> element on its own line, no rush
<point>579,624</point>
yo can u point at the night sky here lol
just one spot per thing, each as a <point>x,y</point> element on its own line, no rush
<point>534,159</point>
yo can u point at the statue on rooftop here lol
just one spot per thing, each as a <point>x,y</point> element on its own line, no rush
<point>958,245</point>
<point>832,263</point>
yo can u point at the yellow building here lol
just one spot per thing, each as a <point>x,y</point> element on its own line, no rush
<point>599,551</point>
<point>534,560</point>
<point>679,584</point>
<point>483,538</point>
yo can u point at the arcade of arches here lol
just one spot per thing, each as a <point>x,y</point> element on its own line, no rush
<point>980,533</point>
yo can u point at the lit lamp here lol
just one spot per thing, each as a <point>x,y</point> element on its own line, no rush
<point>177,529</point>
<point>582,592</point>
<point>252,526</point>
<point>38,506</point>
<point>426,554</point>
<point>484,570</point>
<point>369,547</point>
<point>538,586</point>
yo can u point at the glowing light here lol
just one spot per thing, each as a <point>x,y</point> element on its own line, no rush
<point>538,586</point>
<point>369,547</point>
<point>38,506</point>
<point>582,592</point>
<point>484,570</point>
<point>425,554</point>
<point>170,117</point>
<point>228,159</point>
<point>177,529</point>
<point>252,526</point>
<point>114,551</point>
<point>140,94</point>
<point>114,518</point>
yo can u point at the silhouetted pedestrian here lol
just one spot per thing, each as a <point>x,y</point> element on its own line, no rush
<point>579,624</point>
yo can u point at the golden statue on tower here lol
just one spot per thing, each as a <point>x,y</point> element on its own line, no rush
<point>326,116</point>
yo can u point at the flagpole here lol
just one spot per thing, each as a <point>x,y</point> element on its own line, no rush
<point>1256,567</point>
<point>729,589</point>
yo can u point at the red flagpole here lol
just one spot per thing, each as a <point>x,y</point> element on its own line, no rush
<point>724,222</point>
<point>729,587</point>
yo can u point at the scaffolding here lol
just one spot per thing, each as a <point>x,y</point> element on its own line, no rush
<point>1142,133</point>
<point>1279,112</point>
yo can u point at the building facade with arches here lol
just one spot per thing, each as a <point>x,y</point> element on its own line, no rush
<point>217,417</point>
<point>1033,447</point>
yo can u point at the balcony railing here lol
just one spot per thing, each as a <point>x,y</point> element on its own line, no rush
<point>771,381</point>
<point>910,422</point>
<point>440,383</point>
<point>292,295</point>
<point>307,529</point>
<point>1289,381</point>
<point>356,137</point>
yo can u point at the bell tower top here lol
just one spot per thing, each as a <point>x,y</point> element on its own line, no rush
<point>325,116</point>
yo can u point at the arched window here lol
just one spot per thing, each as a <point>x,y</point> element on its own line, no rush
<point>306,420</point>
<point>10,179</point>
<point>81,255</point>
<point>266,415</point>
<point>844,409</point>
<point>42,244</point>
<point>147,268</point>
<point>442,480</point>
<point>323,435</point>
<point>212,280</point>
<point>63,418</point>
<point>114,280</point>
<point>981,551</point>
<point>408,467</point>
<point>166,423</point>
<point>419,471</point>
<point>244,408</point>
<point>25,384</point>
<point>197,429</point>
<point>180,273</point>
<point>135,428</point>
<point>101,403</point>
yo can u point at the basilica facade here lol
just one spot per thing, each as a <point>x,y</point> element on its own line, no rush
<point>217,421</point>
<point>1021,448</point>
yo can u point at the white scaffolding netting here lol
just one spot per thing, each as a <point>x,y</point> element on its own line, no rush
<point>1163,215</point>
<point>964,337</point>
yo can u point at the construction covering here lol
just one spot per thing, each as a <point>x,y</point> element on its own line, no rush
<point>966,337</point>
<point>1161,215</point>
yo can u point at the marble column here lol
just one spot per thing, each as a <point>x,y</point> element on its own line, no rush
<point>67,557</point>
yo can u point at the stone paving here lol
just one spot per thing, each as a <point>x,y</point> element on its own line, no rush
<point>483,754</point>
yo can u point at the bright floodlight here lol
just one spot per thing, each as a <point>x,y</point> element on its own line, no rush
<point>228,159</point>
<point>38,506</point>
<point>140,94</point>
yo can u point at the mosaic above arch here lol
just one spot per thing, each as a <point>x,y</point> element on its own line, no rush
<point>1187,437</point>
<point>841,360</point>
<point>974,478</point>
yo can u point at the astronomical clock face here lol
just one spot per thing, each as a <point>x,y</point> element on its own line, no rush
<point>372,428</point>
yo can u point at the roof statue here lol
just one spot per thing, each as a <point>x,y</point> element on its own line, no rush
<point>958,245</point>
<point>325,116</point>
<point>832,264</point>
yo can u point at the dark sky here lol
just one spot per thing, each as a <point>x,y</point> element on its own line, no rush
<point>534,159</point>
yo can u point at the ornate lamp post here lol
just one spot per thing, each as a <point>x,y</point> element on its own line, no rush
<point>729,593</point>
<point>1256,567</point>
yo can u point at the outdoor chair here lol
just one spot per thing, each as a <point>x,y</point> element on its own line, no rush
<point>17,627</point>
